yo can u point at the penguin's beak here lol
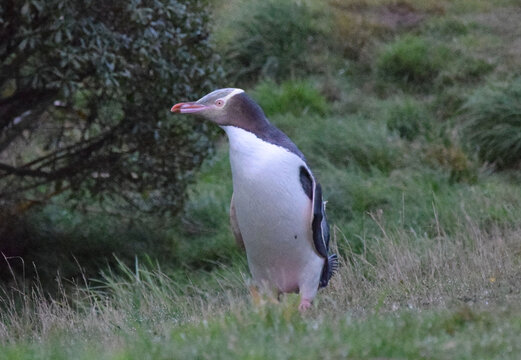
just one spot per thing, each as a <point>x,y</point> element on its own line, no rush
<point>187,108</point>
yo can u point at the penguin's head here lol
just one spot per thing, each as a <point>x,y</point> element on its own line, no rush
<point>224,107</point>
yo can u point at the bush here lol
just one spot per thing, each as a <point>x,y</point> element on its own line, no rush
<point>269,39</point>
<point>84,98</point>
<point>411,61</point>
<point>85,89</point>
<point>493,126</point>
<point>294,96</point>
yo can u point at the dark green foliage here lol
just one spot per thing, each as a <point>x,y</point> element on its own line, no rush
<point>75,244</point>
<point>295,97</point>
<point>411,61</point>
<point>271,39</point>
<point>493,125</point>
<point>85,92</point>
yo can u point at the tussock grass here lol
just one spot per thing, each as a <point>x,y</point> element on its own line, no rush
<point>265,39</point>
<point>403,269</point>
<point>494,123</point>
<point>409,118</point>
<point>344,141</point>
<point>411,61</point>
<point>122,300</point>
<point>297,97</point>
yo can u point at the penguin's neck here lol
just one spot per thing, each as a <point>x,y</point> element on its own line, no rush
<point>249,155</point>
<point>245,143</point>
<point>253,158</point>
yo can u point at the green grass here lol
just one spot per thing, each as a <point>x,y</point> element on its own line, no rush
<point>378,305</point>
<point>266,333</point>
<point>294,97</point>
<point>409,118</point>
<point>494,123</point>
<point>411,61</point>
<point>265,39</point>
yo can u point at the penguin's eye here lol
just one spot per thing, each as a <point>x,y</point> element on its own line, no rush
<point>219,103</point>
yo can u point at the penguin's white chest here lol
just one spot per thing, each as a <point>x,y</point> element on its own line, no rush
<point>274,213</point>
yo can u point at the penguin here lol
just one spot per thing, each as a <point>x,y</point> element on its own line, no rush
<point>276,212</point>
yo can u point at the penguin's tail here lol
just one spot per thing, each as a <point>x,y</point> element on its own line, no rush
<point>329,269</point>
<point>333,265</point>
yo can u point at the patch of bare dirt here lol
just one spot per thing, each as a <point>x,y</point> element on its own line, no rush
<point>399,16</point>
<point>392,16</point>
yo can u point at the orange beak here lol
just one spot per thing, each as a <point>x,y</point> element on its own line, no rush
<point>188,107</point>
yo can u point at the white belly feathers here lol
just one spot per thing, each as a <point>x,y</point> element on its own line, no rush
<point>273,212</point>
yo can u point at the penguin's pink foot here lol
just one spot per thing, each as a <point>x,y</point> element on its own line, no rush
<point>304,305</point>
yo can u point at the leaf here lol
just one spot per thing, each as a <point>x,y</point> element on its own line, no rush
<point>23,44</point>
<point>58,36</point>
<point>38,5</point>
<point>25,11</point>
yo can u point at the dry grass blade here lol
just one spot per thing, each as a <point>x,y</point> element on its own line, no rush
<point>402,269</point>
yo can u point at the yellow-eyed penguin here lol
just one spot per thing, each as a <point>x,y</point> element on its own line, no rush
<point>276,210</point>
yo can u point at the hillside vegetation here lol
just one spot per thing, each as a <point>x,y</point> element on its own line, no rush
<point>409,115</point>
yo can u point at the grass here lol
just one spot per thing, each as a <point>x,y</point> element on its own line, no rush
<point>409,118</point>
<point>407,295</point>
<point>267,334</point>
<point>427,231</point>
<point>294,97</point>
<point>494,123</point>
<point>266,39</point>
<point>58,239</point>
<point>411,61</point>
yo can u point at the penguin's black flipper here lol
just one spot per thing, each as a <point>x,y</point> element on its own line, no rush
<point>321,236</point>
<point>319,224</point>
